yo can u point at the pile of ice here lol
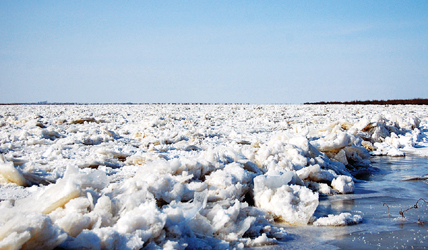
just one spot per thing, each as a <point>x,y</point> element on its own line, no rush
<point>177,176</point>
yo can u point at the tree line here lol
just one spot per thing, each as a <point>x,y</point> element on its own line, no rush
<point>416,101</point>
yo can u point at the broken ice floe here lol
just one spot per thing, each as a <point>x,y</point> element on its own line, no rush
<point>164,176</point>
<point>343,219</point>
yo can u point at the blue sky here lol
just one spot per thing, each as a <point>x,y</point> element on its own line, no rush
<point>212,51</point>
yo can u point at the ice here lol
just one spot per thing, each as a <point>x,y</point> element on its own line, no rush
<point>344,184</point>
<point>144,221</point>
<point>177,176</point>
<point>334,141</point>
<point>31,231</point>
<point>8,173</point>
<point>316,174</point>
<point>232,182</point>
<point>342,219</point>
<point>293,204</point>
<point>388,150</point>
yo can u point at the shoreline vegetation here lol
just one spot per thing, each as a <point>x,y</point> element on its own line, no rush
<point>416,101</point>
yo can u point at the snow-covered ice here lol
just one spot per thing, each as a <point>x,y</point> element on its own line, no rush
<point>177,176</point>
<point>342,219</point>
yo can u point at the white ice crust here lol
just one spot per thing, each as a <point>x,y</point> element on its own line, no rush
<point>185,176</point>
<point>343,219</point>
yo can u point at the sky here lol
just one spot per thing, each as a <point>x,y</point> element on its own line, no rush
<point>256,52</point>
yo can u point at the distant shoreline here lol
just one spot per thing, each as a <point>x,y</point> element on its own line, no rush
<point>417,101</point>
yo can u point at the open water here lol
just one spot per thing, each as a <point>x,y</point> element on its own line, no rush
<point>400,183</point>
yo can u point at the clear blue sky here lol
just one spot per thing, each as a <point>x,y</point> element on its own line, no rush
<point>213,51</point>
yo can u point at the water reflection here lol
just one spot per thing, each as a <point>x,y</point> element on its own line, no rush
<point>343,204</point>
<point>328,206</point>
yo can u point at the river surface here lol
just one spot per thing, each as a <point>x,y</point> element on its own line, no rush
<point>399,184</point>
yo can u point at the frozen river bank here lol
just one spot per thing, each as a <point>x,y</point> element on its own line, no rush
<point>211,176</point>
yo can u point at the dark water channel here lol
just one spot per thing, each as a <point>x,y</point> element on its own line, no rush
<point>390,185</point>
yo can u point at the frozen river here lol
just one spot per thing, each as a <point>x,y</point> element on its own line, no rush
<point>212,176</point>
<point>400,182</point>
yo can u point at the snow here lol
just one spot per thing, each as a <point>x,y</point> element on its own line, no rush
<point>177,176</point>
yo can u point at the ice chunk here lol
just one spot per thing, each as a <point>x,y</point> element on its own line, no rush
<point>341,157</point>
<point>67,188</point>
<point>272,180</point>
<point>380,133</point>
<point>332,142</point>
<point>343,219</point>
<point>102,212</point>
<point>357,154</point>
<point>230,175</point>
<point>103,238</point>
<point>292,204</point>
<point>227,221</point>
<point>324,189</point>
<point>178,212</point>
<point>145,221</point>
<point>231,182</point>
<point>283,152</point>
<point>52,197</point>
<point>387,149</point>
<point>315,173</point>
<point>10,173</point>
<point>32,231</point>
<point>230,223</point>
<point>27,220</point>
<point>262,240</point>
<point>73,223</point>
<point>85,240</point>
<point>167,188</point>
<point>344,184</point>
